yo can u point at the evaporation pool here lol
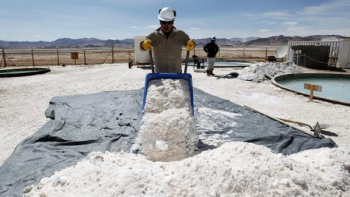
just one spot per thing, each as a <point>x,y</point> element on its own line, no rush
<point>23,72</point>
<point>335,87</point>
<point>225,64</point>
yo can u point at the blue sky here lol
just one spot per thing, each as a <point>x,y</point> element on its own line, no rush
<point>48,20</point>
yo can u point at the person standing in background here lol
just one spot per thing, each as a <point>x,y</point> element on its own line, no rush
<point>211,49</point>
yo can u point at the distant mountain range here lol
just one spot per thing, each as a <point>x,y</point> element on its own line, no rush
<point>94,42</point>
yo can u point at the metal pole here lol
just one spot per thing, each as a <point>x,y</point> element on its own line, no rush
<point>151,59</point>
<point>4,57</point>
<point>33,57</point>
<point>186,63</point>
<point>297,58</point>
<point>84,58</point>
<point>112,51</point>
<point>58,58</point>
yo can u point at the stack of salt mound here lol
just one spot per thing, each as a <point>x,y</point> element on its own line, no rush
<point>257,73</point>
<point>167,130</point>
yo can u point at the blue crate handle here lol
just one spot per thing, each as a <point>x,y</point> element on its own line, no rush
<point>152,76</point>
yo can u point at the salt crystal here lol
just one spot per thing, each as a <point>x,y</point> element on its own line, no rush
<point>167,130</point>
<point>285,182</point>
<point>299,181</point>
<point>161,145</point>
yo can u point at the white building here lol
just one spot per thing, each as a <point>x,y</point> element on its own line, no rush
<point>339,54</point>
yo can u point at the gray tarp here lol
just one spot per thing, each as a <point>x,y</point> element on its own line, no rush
<point>109,121</point>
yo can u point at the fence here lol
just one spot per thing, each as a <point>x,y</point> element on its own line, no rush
<point>86,56</point>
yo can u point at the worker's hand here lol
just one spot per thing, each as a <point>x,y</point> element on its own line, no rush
<point>190,45</point>
<point>146,45</point>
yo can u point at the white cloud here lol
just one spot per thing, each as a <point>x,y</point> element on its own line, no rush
<point>264,30</point>
<point>297,31</point>
<point>269,22</point>
<point>277,15</point>
<point>336,7</point>
<point>328,18</point>
<point>134,27</point>
<point>152,26</point>
<point>194,28</point>
<point>289,23</point>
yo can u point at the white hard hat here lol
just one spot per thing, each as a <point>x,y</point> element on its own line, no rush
<point>167,14</point>
<point>213,38</point>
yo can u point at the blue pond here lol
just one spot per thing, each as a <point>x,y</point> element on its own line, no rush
<point>335,88</point>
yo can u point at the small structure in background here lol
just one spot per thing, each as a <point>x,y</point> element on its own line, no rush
<point>141,57</point>
<point>279,55</point>
<point>271,59</point>
<point>311,56</point>
<point>74,56</point>
<point>335,53</point>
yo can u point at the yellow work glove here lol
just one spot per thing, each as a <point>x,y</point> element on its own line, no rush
<point>146,45</point>
<point>190,45</point>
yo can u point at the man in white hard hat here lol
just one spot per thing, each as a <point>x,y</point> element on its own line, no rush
<point>211,49</point>
<point>167,42</point>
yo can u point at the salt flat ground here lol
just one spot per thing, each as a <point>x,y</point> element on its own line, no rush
<point>24,100</point>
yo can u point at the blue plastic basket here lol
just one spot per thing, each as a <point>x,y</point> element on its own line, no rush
<point>152,76</point>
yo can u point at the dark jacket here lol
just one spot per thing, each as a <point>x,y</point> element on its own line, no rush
<point>212,49</point>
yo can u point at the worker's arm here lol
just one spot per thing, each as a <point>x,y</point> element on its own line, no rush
<point>146,45</point>
<point>205,48</point>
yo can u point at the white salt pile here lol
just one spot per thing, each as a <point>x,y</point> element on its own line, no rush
<point>257,73</point>
<point>234,169</point>
<point>167,130</point>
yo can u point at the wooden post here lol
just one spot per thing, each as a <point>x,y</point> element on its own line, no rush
<point>312,88</point>
<point>4,57</point>
<point>129,55</point>
<point>33,57</point>
<point>266,54</point>
<point>84,58</point>
<point>58,59</point>
<point>112,51</point>
<point>243,53</point>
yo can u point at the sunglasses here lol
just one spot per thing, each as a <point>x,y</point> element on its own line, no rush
<point>167,22</point>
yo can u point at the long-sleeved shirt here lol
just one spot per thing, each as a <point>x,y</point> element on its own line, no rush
<point>212,49</point>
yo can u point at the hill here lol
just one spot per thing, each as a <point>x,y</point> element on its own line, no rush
<point>94,42</point>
